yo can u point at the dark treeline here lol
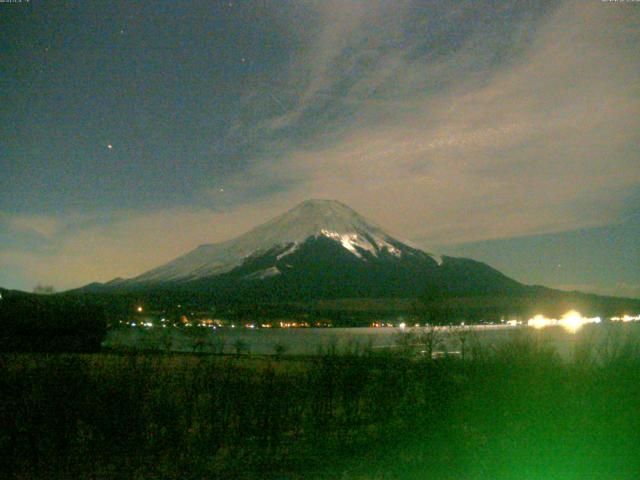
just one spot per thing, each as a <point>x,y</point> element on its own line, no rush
<point>42,323</point>
<point>434,306</point>
<point>516,411</point>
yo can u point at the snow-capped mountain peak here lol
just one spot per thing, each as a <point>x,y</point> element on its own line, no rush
<point>310,219</point>
<point>313,217</point>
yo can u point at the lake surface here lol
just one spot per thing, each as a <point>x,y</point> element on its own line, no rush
<point>309,341</point>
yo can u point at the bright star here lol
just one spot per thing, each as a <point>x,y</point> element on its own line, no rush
<point>110,146</point>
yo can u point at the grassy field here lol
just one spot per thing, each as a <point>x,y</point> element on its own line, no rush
<point>517,411</point>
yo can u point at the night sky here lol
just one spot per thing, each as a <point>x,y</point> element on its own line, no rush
<point>131,132</point>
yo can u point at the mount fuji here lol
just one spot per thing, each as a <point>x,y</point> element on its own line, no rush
<point>318,249</point>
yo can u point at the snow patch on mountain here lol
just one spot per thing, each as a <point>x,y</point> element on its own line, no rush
<point>294,246</point>
<point>352,240</point>
<point>437,258</point>
<point>262,274</point>
<point>348,241</point>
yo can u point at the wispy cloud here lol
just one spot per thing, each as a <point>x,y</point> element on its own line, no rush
<point>125,243</point>
<point>42,226</point>
<point>545,140</point>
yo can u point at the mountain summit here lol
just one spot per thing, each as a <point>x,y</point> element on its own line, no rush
<point>310,219</point>
<point>318,249</point>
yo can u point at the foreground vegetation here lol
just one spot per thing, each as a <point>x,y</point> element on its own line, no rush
<point>43,323</point>
<point>514,412</point>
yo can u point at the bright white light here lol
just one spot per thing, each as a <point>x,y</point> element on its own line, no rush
<point>626,318</point>
<point>571,321</point>
<point>402,326</point>
<point>539,321</point>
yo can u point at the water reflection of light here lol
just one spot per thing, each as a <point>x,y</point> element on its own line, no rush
<point>571,321</point>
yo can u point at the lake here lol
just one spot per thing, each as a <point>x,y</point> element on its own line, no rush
<point>309,341</point>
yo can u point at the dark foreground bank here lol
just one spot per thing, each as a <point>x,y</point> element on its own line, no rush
<point>512,413</point>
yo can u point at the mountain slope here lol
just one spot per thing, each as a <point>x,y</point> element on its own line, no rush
<point>322,268</point>
<point>318,249</point>
<point>312,218</point>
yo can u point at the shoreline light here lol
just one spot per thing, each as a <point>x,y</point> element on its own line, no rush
<point>572,321</point>
<point>626,318</point>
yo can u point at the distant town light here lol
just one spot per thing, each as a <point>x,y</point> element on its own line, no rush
<point>539,321</point>
<point>572,321</point>
<point>626,318</point>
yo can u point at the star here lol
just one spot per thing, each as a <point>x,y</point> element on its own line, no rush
<point>110,147</point>
<point>243,59</point>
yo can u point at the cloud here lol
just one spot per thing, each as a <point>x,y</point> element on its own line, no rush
<point>39,225</point>
<point>345,33</point>
<point>126,243</point>
<point>545,140</point>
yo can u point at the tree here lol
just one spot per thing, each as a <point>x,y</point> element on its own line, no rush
<point>44,289</point>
